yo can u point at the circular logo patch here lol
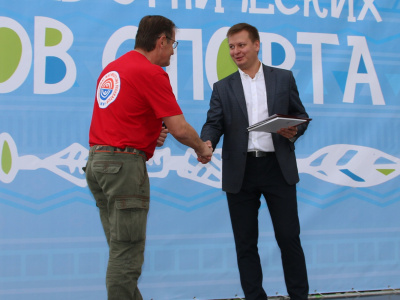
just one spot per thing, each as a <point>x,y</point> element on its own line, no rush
<point>108,89</point>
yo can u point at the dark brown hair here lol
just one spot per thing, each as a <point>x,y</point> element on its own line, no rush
<point>150,29</point>
<point>253,32</point>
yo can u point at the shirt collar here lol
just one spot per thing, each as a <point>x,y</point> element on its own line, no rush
<point>259,72</point>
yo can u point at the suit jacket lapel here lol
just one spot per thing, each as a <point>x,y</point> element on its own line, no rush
<point>237,88</point>
<point>270,86</point>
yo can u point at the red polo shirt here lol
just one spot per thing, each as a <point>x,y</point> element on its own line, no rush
<point>132,96</point>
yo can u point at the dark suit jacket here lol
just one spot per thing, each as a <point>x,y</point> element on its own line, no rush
<point>228,116</point>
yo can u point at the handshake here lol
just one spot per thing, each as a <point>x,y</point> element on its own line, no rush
<point>205,153</point>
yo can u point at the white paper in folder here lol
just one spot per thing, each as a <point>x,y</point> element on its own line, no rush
<point>276,122</point>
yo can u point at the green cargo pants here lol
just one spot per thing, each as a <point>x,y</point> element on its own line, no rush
<point>120,185</point>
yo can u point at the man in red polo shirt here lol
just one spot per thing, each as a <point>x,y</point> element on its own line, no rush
<point>133,97</point>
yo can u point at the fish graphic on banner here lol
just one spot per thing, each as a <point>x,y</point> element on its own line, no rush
<point>341,164</point>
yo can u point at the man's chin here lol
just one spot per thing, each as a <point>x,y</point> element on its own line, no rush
<point>239,63</point>
<point>165,64</point>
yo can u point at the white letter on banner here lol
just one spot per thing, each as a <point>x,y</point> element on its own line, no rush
<point>368,4</point>
<point>212,54</point>
<point>172,71</point>
<point>174,4</point>
<point>218,5</point>
<point>287,11</point>
<point>254,10</point>
<point>115,41</point>
<point>195,36</point>
<point>336,9</point>
<point>25,61</point>
<point>361,51</point>
<point>266,39</point>
<point>60,51</point>
<point>321,14</point>
<point>316,40</point>
<point>125,2</point>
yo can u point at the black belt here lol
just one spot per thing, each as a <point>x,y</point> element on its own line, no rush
<point>259,153</point>
<point>115,149</point>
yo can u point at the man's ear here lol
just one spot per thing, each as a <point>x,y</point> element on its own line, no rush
<point>161,42</point>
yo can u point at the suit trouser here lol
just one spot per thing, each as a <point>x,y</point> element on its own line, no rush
<point>264,177</point>
<point>120,185</point>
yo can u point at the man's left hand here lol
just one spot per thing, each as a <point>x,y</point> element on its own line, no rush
<point>162,137</point>
<point>289,132</point>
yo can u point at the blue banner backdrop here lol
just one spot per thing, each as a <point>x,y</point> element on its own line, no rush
<point>345,58</point>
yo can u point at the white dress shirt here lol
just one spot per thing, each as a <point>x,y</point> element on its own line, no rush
<point>255,94</point>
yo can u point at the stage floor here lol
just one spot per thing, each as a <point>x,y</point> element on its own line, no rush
<point>378,295</point>
<point>395,296</point>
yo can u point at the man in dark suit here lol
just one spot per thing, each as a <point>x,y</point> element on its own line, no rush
<point>258,163</point>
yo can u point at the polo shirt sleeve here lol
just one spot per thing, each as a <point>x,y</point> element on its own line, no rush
<point>162,98</point>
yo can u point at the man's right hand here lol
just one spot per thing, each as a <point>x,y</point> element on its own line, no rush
<point>204,156</point>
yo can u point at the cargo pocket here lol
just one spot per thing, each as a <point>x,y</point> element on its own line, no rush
<point>131,218</point>
<point>132,203</point>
